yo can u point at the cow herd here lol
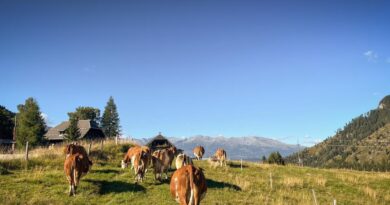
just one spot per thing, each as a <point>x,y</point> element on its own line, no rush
<point>187,184</point>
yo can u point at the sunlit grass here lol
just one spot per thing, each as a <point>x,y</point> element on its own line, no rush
<point>44,182</point>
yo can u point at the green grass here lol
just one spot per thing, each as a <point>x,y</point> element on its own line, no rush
<point>44,182</point>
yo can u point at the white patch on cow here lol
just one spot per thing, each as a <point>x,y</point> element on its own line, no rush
<point>196,155</point>
<point>191,197</point>
<point>132,160</point>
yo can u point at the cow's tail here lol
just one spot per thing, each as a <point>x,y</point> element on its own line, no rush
<point>192,186</point>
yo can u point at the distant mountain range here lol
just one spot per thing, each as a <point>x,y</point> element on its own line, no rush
<point>247,148</point>
<point>363,143</point>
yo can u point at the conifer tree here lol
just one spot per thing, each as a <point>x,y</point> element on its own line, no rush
<point>110,119</point>
<point>73,131</point>
<point>6,123</point>
<point>30,124</point>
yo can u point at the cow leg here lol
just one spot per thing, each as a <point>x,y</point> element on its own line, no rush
<point>183,199</point>
<point>166,174</point>
<point>196,196</point>
<point>70,190</point>
<point>77,180</point>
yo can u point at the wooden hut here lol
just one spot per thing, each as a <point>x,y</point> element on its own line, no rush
<point>159,142</point>
<point>88,130</point>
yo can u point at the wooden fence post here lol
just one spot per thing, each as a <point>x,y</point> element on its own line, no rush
<point>101,146</point>
<point>26,157</point>
<point>270,179</point>
<point>314,196</point>
<point>334,202</point>
<point>116,140</point>
<point>241,164</point>
<point>89,148</point>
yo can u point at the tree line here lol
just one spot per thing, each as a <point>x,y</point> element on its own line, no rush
<point>346,148</point>
<point>28,124</point>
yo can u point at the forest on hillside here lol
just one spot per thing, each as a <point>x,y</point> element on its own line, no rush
<point>362,144</point>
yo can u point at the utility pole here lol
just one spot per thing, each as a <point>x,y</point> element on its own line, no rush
<point>300,163</point>
<point>14,137</point>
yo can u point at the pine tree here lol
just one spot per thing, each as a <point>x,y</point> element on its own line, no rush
<point>110,119</point>
<point>264,159</point>
<point>73,131</point>
<point>6,123</point>
<point>30,124</point>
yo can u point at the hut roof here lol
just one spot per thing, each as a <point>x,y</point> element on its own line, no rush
<point>159,142</point>
<point>57,132</point>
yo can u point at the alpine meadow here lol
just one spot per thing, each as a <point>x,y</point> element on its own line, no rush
<point>219,102</point>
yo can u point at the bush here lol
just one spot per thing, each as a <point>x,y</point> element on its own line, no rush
<point>125,147</point>
<point>275,158</point>
<point>3,170</point>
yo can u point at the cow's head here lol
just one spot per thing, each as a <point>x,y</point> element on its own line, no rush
<point>124,164</point>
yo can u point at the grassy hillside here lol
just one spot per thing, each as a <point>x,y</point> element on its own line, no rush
<point>44,183</point>
<point>362,144</point>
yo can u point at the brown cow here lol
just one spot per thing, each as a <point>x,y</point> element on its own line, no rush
<point>139,158</point>
<point>72,149</point>
<point>76,165</point>
<point>161,162</point>
<point>221,156</point>
<point>183,160</point>
<point>128,156</point>
<point>188,185</point>
<point>131,152</point>
<point>140,161</point>
<point>198,152</point>
<point>172,151</point>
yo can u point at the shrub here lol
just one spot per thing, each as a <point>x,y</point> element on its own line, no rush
<point>275,158</point>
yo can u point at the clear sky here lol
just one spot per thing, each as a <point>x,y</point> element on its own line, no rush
<point>279,69</point>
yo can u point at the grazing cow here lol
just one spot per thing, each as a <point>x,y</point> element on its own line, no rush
<point>140,161</point>
<point>221,156</point>
<point>183,160</point>
<point>131,152</point>
<point>171,154</point>
<point>72,149</point>
<point>161,161</point>
<point>198,152</point>
<point>188,185</point>
<point>213,161</point>
<point>76,165</point>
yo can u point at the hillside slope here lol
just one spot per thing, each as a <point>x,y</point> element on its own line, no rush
<point>364,144</point>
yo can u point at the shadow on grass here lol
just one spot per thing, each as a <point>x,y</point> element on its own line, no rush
<point>162,181</point>
<point>220,185</point>
<point>106,187</point>
<point>237,165</point>
<point>106,171</point>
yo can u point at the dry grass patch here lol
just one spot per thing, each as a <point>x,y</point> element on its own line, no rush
<point>370,192</point>
<point>351,179</point>
<point>242,183</point>
<point>320,181</point>
<point>292,182</point>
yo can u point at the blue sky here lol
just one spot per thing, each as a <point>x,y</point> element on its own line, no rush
<point>279,69</point>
